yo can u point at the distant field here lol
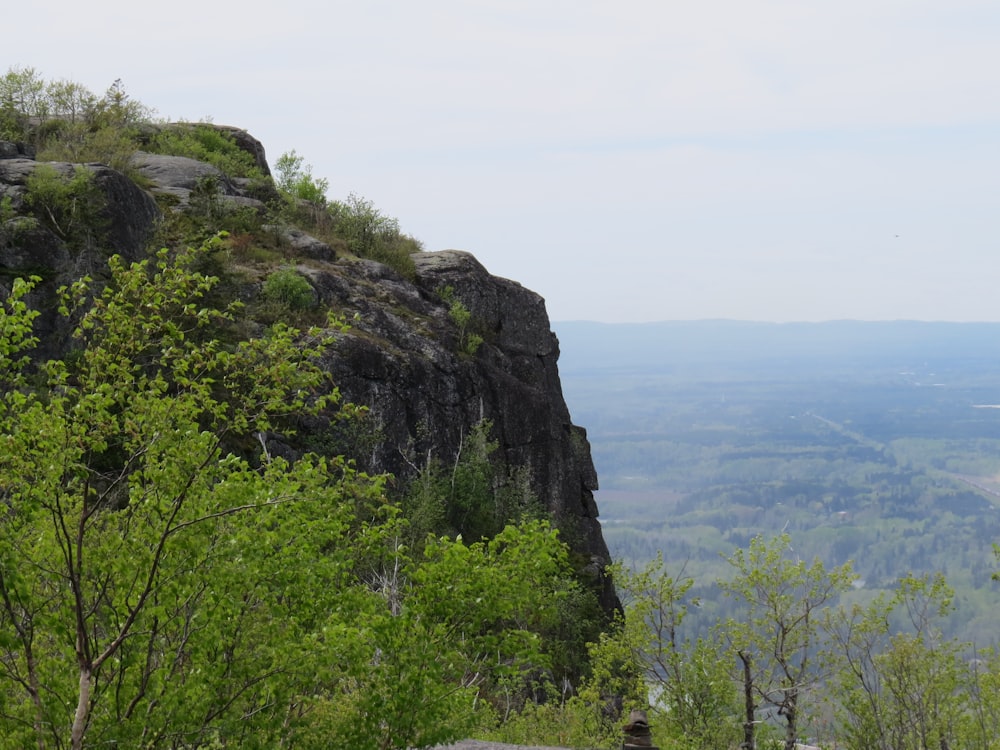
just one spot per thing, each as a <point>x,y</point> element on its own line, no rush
<point>867,442</point>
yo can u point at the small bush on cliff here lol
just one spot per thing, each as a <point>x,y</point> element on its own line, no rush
<point>461,316</point>
<point>371,234</point>
<point>290,289</point>
<point>208,144</point>
<point>295,178</point>
<point>69,206</point>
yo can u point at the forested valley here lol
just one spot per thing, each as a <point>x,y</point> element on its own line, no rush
<point>877,443</point>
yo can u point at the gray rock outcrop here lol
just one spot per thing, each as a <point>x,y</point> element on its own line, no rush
<point>404,361</point>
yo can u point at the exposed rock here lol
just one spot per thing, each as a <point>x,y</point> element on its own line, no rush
<point>179,174</point>
<point>304,244</point>
<point>403,360</point>
<point>27,247</point>
<point>11,150</point>
<point>129,212</point>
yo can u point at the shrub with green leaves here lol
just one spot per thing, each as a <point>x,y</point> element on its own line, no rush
<point>69,206</point>
<point>206,143</point>
<point>461,316</point>
<point>295,178</point>
<point>371,234</point>
<point>290,289</point>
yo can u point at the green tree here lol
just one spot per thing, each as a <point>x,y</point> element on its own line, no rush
<point>70,101</point>
<point>778,635</point>
<point>296,179</point>
<point>460,622</point>
<point>696,702</point>
<point>22,99</point>
<point>475,495</point>
<point>145,567</point>
<point>899,683</point>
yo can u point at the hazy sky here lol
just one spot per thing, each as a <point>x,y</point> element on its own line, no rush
<point>632,160</point>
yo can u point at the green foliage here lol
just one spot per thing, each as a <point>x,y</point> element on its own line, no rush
<point>69,206</point>
<point>805,655</point>
<point>474,497</point>
<point>67,122</point>
<point>111,144</point>
<point>461,316</point>
<point>371,234</point>
<point>696,701</point>
<point>22,97</point>
<point>7,212</point>
<point>16,336</point>
<point>777,634</point>
<point>206,143</point>
<point>459,621</point>
<point>69,101</point>
<point>159,588</point>
<point>141,556</point>
<point>290,289</point>
<point>117,109</point>
<point>555,723</point>
<point>295,178</point>
<point>900,683</point>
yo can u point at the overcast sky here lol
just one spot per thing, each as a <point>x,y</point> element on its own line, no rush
<point>633,160</point>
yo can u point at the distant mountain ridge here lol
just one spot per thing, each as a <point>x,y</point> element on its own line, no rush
<point>590,346</point>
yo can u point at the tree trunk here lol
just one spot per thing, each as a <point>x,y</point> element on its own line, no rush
<point>82,710</point>
<point>749,722</point>
<point>791,711</point>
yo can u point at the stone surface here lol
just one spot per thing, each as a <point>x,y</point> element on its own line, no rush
<point>404,361</point>
<point>27,247</point>
<point>12,150</point>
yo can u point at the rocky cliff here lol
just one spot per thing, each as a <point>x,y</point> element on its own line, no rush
<point>404,357</point>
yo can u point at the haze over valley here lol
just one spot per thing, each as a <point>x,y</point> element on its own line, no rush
<point>877,443</point>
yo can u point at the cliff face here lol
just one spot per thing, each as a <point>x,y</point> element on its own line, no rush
<point>404,357</point>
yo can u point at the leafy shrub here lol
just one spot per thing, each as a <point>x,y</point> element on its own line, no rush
<point>290,289</point>
<point>208,144</point>
<point>296,180</point>
<point>461,316</point>
<point>371,234</point>
<point>69,206</point>
<point>7,211</point>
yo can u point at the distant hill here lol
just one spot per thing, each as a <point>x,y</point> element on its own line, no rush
<point>588,346</point>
